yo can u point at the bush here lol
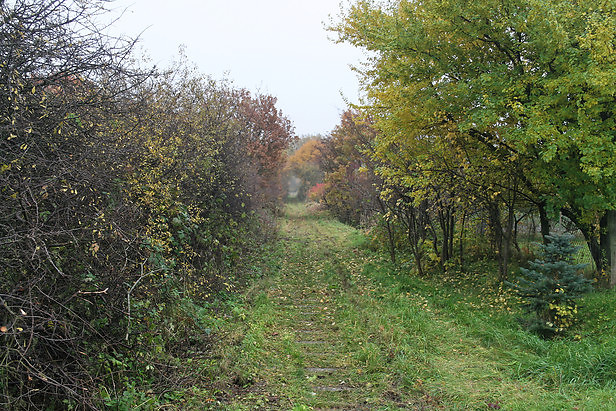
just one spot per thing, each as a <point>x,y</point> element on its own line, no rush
<point>316,192</point>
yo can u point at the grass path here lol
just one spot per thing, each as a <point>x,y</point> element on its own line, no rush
<point>293,349</point>
<point>331,328</point>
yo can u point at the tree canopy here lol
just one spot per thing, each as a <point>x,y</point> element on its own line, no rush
<point>506,98</point>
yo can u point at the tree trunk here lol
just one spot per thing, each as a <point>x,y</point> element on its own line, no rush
<point>545,222</point>
<point>611,232</point>
<point>604,243</point>
<point>497,238</point>
<point>515,233</point>
<point>446,218</point>
<point>392,243</point>
<point>595,250</point>
<point>390,231</point>
<point>416,247</point>
<point>452,231</point>
<point>462,226</point>
<point>507,240</point>
<point>590,236</point>
<point>415,231</point>
<point>436,252</point>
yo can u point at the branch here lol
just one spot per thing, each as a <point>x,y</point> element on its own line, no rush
<point>130,291</point>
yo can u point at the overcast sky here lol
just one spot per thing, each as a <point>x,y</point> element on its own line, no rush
<point>278,47</point>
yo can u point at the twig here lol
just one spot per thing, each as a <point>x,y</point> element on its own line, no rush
<point>50,259</point>
<point>93,292</point>
<point>5,305</point>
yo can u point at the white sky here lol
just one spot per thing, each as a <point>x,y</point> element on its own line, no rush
<point>278,47</point>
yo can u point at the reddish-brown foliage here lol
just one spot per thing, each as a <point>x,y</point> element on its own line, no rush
<point>268,134</point>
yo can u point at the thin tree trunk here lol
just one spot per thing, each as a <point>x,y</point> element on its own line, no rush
<point>392,243</point>
<point>441,259</point>
<point>590,236</point>
<point>442,220</point>
<point>545,222</point>
<point>444,216</point>
<point>515,234</point>
<point>416,247</point>
<point>452,230</point>
<point>611,232</point>
<point>462,226</point>
<point>604,242</point>
<point>390,232</point>
<point>497,237</point>
<point>507,240</point>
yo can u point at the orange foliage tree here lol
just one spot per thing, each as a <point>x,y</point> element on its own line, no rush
<point>304,164</point>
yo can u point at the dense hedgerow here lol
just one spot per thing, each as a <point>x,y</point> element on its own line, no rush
<point>127,198</point>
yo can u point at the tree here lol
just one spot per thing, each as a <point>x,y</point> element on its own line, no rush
<point>516,87</point>
<point>267,133</point>
<point>304,164</point>
<point>349,188</point>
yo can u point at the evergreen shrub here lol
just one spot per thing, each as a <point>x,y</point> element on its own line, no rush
<point>551,285</point>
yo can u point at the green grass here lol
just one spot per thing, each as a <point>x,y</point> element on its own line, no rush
<point>451,341</point>
<point>485,356</point>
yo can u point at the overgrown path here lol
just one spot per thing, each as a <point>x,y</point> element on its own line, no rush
<point>332,326</point>
<point>299,347</point>
<point>306,297</point>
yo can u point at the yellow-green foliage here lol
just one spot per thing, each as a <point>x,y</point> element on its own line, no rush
<point>499,105</point>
